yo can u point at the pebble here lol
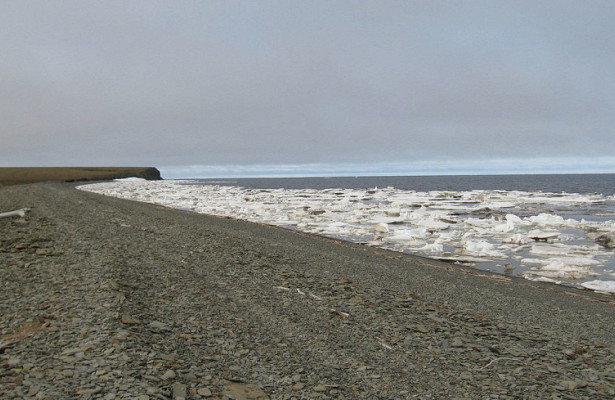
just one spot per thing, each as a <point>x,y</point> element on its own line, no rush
<point>128,320</point>
<point>168,357</point>
<point>157,325</point>
<point>179,391</point>
<point>168,374</point>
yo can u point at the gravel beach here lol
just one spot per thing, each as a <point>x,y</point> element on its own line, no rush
<point>102,298</point>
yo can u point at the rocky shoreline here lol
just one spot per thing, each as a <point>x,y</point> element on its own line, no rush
<point>104,298</point>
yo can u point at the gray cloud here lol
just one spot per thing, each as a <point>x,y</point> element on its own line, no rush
<point>186,83</point>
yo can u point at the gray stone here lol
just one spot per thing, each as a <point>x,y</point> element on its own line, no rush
<point>157,325</point>
<point>179,391</point>
<point>169,374</point>
<point>607,240</point>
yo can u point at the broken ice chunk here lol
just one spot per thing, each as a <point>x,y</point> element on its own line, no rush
<point>600,286</point>
<point>481,248</point>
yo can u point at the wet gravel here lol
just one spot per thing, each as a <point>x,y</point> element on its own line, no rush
<point>102,298</point>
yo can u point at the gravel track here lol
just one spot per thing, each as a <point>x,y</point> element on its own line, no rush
<point>102,298</point>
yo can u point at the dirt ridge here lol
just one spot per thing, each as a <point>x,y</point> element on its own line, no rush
<point>20,175</point>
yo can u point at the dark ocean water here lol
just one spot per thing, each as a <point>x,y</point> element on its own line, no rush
<point>570,183</point>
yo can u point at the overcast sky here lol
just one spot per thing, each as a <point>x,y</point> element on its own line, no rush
<point>245,87</point>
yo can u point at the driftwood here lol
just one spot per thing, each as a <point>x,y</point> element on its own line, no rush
<point>500,359</point>
<point>16,213</point>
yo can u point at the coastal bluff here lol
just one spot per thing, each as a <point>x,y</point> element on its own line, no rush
<point>18,175</point>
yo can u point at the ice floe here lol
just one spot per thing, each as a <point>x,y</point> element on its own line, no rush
<point>600,286</point>
<point>130,179</point>
<point>554,237</point>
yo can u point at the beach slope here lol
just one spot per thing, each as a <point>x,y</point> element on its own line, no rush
<point>102,296</point>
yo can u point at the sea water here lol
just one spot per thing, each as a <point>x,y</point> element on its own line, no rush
<point>570,183</point>
<point>541,227</point>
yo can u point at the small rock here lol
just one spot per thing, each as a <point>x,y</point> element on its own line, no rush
<point>37,375</point>
<point>204,392</point>
<point>606,240</point>
<point>573,385</point>
<point>169,374</point>
<point>157,325</point>
<point>568,385</point>
<point>128,320</point>
<point>319,388</point>
<point>456,342</point>
<point>244,391</point>
<point>179,391</point>
<point>12,362</point>
<point>168,357</point>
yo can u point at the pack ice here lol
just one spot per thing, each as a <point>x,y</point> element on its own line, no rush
<point>539,236</point>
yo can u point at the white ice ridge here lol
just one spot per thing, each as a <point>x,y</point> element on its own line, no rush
<point>479,226</point>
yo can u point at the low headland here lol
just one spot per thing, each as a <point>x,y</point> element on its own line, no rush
<point>104,298</point>
<point>19,175</point>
